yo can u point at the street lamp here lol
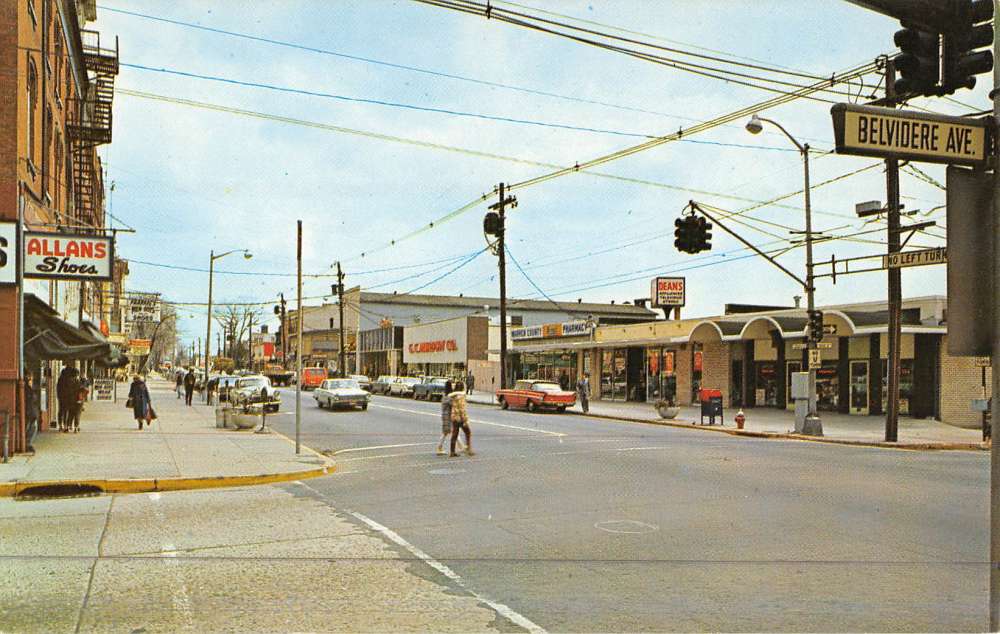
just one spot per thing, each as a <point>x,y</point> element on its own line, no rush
<point>812,425</point>
<point>208,328</point>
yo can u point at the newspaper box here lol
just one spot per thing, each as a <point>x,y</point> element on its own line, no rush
<point>711,405</point>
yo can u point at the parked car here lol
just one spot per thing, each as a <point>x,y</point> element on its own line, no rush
<point>224,385</point>
<point>430,389</point>
<point>403,386</point>
<point>341,393</point>
<point>255,389</point>
<point>363,381</point>
<point>313,377</point>
<point>535,395</point>
<point>381,384</point>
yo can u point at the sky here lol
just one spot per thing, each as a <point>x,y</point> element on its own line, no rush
<point>363,163</point>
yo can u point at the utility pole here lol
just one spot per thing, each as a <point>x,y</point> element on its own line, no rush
<point>341,366</point>
<point>208,322</point>
<point>995,447</point>
<point>298,343</point>
<point>284,334</point>
<point>895,277</point>
<point>500,208</point>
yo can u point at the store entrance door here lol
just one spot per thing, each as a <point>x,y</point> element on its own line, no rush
<point>859,387</point>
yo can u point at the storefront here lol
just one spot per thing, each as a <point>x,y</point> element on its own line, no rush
<point>551,352</point>
<point>381,351</point>
<point>445,348</point>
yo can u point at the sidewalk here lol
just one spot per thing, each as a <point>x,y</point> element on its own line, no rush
<point>183,449</point>
<point>913,433</point>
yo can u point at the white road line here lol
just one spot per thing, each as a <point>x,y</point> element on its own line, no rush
<point>477,421</point>
<point>353,449</point>
<point>380,456</point>
<point>501,609</point>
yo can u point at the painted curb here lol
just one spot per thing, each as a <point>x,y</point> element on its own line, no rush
<point>150,485</point>
<point>921,446</point>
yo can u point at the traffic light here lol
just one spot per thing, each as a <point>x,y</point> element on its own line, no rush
<point>919,61</point>
<point>815,325</point>
<point>969,29</point>
<point>703,235</point>
<point>684,234</point>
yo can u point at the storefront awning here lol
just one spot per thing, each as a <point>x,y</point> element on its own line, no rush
<point>116,358</point>
<point>47,337</point>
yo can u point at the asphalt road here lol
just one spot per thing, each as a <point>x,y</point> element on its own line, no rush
<point>581,524</point>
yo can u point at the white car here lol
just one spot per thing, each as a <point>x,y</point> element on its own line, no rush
<point>403,386</point>
<point>341,393</point>
<point>255,389</point>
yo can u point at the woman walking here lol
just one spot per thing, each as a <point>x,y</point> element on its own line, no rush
<point>445,417</point>
<point>460,419</point>
<point>138,396</point>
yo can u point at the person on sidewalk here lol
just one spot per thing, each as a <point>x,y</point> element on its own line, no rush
<point>446,425</point>
<point>71,390</point>
<point>138,395</point>
<point>189,381</point>
<point>82,393</point>
<point>179,384</point>
<point>62,397</point>
<point>563,382</point>
<point>470,383</point>
<point>460,419</point>
<point>583,392</point>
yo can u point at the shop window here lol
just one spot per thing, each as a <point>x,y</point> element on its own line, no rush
<point>828,387</point>
<point>697,357</point>
<point>905,385</point>
<point>766,383</point>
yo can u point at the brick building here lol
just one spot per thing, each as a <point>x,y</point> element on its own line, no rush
<point>749,354</point>
<point>57,83</point>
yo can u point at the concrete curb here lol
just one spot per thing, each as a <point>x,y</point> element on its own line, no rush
<point>922,446</point>
<point>104,486</point>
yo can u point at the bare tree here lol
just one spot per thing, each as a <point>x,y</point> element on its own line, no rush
<point>236,322</point>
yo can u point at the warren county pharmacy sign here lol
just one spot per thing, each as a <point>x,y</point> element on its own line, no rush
<point>64,256</point>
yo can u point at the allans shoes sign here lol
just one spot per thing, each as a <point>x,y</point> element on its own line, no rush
<point>67,256</point>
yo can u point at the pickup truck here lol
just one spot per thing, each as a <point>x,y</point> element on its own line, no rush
<point>278,375</point>
<point>535,395</point>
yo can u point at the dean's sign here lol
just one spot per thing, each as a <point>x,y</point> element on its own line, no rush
<point>64,256</point>
<point>904,134</point>
<point>667,291</point>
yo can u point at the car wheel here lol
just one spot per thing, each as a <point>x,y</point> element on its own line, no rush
<point>561,409</point>
<point>364,407</point>
<point>503,403</point>
<point>532,407</point>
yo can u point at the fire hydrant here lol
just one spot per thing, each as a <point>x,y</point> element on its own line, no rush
<point>740,419</point>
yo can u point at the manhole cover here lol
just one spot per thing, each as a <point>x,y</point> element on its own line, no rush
<point>626,527</point>
<point>445,471</point>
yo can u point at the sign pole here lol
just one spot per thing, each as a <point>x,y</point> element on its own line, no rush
<point>894,277</point>
<point>995,448</point>
<point>298,344</point>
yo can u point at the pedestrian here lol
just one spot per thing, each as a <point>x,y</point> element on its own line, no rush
<point>62,397</point>
<point>446,424</point>
<point>189,381</point>
<point>470,383</point>
<point>71,393</point>
<point>31,409</point>
<point>583,392</point>
<point>82,392</point>
<point>138,400</point>
<point>460,420</point>
<point>563,381</point>
<point>179,380</point>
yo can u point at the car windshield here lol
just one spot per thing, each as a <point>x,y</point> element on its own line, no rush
<point>360,378</point>
<point>255,381</point>
<point>411,381</point>
<point>546,387</point>
<point>342,384</point>
<point>439,382</point>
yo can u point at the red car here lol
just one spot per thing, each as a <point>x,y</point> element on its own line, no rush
<point>535,395</point>
<point>312,378</point>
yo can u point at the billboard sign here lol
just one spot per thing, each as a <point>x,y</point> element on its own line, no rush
<point>141,308</point>
<point>139,347</point>
<point>667,291</point>
<point>64,256</point>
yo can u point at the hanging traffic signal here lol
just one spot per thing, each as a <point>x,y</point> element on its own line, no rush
<point>919,61</point>
<point>682,235</point>
<point>815,332</point>
<point>703,235</point>
<point>969,29</point>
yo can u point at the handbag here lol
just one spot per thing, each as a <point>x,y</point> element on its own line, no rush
<point>128,403</point>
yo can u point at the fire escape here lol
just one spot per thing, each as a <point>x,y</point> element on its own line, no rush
<point>90,126</point>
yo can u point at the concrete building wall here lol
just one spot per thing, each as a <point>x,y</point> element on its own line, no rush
<point>961,381</point>
<point>717,368</point>
<point>683,360</point>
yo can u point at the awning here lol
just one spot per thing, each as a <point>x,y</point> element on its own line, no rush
<point>116,358</point>
<point>47,337</point>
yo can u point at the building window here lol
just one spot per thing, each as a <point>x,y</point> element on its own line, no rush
<point>32,98</point>
<point>31,12</point>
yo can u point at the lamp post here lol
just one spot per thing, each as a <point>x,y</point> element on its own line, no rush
<point>208,327</point>
<point>812,425</point>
